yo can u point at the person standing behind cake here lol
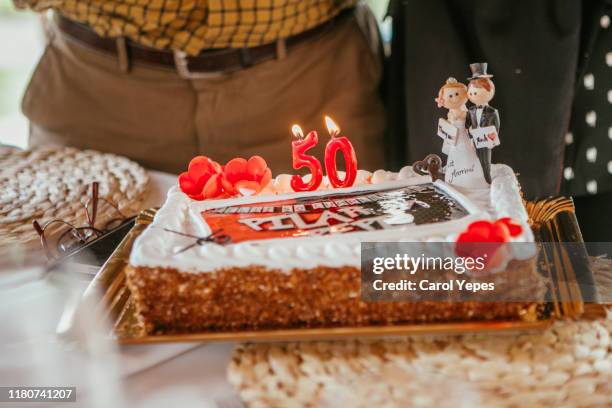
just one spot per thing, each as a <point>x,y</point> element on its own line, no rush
<point>163,81</point>
<point>587,171</point>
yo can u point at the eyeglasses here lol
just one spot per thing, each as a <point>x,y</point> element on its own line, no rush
<point>71,237</point>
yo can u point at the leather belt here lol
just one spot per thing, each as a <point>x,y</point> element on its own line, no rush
<point>204,64</point>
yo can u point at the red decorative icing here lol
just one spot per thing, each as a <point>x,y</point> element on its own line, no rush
<point>202,180</point>
<point>245,177</point>
<point>206,179</point>
<point>487,239</point>
<point>513,228</point>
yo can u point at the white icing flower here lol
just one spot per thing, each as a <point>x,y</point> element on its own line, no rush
<point>363,177</point>
<point>307,253</point>
<point>247,250</point>
<point>282,183</point>
<point>380,176</point>
<point>337,251</point>
<point>406,172</point>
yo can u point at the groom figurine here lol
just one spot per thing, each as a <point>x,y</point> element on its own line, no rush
<point>482,120</point>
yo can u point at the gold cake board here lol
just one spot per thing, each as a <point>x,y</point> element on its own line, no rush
<point>552,220</point>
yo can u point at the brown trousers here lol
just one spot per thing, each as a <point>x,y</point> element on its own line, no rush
<point>79,97</point>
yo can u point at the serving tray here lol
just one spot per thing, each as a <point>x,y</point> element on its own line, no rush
<point>552,220</point>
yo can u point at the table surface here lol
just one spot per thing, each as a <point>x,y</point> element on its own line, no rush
<point>150,375</point>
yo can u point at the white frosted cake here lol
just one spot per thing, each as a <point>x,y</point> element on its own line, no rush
<point>281,259</point>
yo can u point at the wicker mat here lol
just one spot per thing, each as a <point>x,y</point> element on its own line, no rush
<point>569,365</point>
<point>53,183</point>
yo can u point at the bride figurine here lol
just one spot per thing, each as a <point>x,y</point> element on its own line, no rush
<point>463,167</point>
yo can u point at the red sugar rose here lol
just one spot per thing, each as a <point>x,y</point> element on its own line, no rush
<point>486,239</point>
<point>206,179</point>
<point>513,228</point>
<point>202,180</point>
<point>246,177</point>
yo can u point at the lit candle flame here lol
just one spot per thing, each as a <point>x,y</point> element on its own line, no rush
<point>332,128</point>
<point>297,131</point>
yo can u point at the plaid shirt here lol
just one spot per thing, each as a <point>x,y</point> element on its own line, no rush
<point>195,25</point>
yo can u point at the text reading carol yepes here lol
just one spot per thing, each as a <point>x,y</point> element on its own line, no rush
<point>426,285</point>
<point>436,264</point>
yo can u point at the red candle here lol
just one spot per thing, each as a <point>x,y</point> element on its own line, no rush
<point>346,148</point>
<point>299,147</point>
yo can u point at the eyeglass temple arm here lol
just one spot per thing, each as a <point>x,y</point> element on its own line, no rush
<point>94,204</point>
<point>43,240</point>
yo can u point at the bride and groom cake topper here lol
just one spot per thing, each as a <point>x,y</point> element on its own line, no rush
<point>469,134</point>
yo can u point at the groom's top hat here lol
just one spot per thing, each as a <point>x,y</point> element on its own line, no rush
<point>479,70</point>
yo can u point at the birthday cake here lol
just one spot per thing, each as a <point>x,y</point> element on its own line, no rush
<point>233,248</point>
<point>283,259</point>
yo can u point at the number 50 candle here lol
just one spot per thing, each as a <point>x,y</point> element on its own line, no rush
<point>346,148</point>
<point>300,159</point>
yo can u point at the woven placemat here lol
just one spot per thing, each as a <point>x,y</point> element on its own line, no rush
<point>53,183</point>
<point>569,365</point>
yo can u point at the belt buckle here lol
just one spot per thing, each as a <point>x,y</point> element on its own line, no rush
<point>182,67</point>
